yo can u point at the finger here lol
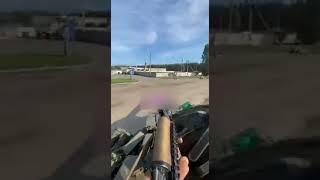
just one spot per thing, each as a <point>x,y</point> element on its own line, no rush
<point>179,141</point>
<point>179,154</point>
<point>184,167</point>
<point>147,175</point>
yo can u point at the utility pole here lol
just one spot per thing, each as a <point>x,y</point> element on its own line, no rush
<point>250,20</point>
<point>182,66</point>
<point>279,18</point>
<point>265,24</point>
<point>83,18</point>
<point>66,37</point>
<point>230,16</point>
<point>145,65</point>
<point>187,62</point>
<point>237,18</point>
<point>150,64</point>
<point>221,24</point>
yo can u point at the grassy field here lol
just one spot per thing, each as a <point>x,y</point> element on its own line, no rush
<point>19,61</point>
<point>122,80</point>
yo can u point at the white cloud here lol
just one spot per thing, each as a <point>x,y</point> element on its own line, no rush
<point>151,37</point>
<point>189,20</point>
<point>168,25</point>
<point>175,21</point>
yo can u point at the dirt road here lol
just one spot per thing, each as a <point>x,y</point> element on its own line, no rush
<point>125,99</point>
<point>275,92</point>
<point>47,116</point>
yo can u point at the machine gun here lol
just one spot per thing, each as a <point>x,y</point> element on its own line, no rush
<point>153,151</point>
<point>165,155</point>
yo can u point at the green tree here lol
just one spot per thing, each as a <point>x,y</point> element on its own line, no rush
<point>205,54</point>
<point>205,60</point>
<point>309,27</point>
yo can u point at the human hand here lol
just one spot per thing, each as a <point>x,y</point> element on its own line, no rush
<point>184,167</point>
<point>183,164</point>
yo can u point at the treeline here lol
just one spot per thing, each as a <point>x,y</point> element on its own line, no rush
<point>302,16</point>
<point>25,17</point>
<point>274,14</point>
<point>15,17</point>
<point>93,14</point>
<point>309,22</point>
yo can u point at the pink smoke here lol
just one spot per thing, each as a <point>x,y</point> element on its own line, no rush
<point>156,100</point>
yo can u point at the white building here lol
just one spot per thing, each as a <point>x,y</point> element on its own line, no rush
<point>28,32</point>
<point>185,74</point>
<point>155,69</point>
<point>8,32</point>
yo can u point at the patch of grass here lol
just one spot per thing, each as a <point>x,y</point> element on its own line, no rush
<point>20,61</point>
<point>119,80</point>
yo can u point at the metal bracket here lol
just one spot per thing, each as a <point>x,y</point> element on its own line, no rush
<point>199,147</point>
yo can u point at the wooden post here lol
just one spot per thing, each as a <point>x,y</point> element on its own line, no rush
<point>230,16</point>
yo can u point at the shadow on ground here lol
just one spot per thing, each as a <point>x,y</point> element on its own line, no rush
<point>132,122</point>
<point>71,169</point>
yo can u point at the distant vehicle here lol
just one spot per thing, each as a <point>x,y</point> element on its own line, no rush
<point>42,34</point>
<point>126,71</point>
<point>52,31</point>
<point>116,72</point>
<point>47,35</point>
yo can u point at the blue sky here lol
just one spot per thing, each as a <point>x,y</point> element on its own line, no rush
<point>170,29</point>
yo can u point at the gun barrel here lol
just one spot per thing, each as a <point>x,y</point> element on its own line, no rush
<point>162,144</point>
